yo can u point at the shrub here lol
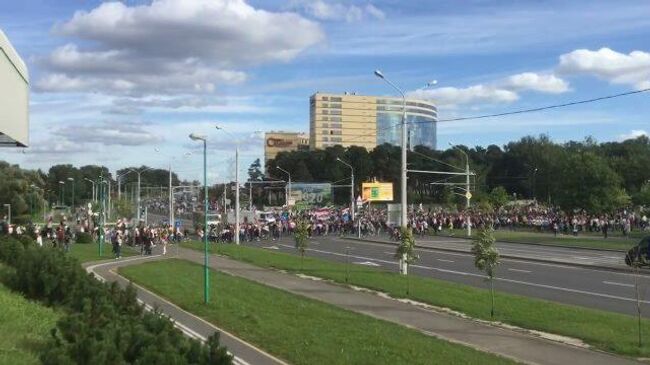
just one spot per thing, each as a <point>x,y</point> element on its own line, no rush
<point>84,237</point>
<point>10,250</point>
<point>104,323</point>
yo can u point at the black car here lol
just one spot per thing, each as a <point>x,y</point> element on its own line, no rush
<point>639,253</point>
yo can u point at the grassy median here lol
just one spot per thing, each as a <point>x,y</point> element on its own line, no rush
<point>24,328</point>
<point>85,252</point>
<point>584,239</point>
<point>605,330</point>
<point>297,329</point>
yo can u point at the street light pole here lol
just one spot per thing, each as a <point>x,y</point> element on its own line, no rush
<point>61,188</point>
<point>351,188</point>
<point>404,215</point>
<point>8,206</point>
<point>236,183</point>
<point>206,274</point>
<point>93,192</point>
<point>72,179</point>
<point>467,190</point>
<point>288,191</point>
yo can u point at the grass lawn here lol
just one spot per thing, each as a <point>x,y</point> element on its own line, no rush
<point>582,240</point>
<point>297,329</point>
<point>605,330</point>
<point>24,328</point>
<point>85,252</point>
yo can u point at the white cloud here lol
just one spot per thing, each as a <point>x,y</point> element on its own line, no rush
<point>327,10</point>
<point>501,91</point>
<point>633,134</point>
<point>469,95</point>
<point>537,82</point>
<point>172,46</point>
<point>619,68</point>
<point>109,134</point>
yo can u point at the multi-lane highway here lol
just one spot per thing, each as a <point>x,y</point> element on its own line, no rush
<point>561,282</point>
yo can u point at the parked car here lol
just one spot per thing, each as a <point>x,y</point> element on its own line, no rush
<point>639,253</point>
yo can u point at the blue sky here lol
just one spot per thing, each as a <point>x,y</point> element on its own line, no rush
<point>114,82</point>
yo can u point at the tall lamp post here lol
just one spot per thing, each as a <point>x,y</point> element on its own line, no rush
<point>61,189</point>
<point>468,194</point>
<point>93,198</point>
<point>352,186</point>
<point>288,191</point>
<point>237,185</point>
<point>404,215</point>
<point>8,206</point>
<point>72,180</point>
<point>204,139</point>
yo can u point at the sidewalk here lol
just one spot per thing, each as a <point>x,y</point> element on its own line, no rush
<point>508,343</point>
<point>191,325</point>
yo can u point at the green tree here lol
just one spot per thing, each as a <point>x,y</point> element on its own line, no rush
<point>643,196</point>
<point>589,183</point>
<point>486,258</point>
<point>499,197</point>
<point>255,171</point>
<point>405,252</point>
<point>124,209</point>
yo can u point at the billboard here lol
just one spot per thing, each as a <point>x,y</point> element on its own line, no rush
<point>377,192</point>
<point>311,193</point>
<point>14,97</point>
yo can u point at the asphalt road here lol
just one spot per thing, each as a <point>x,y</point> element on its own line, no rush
<point>571,256</point>
<point>601,289</point>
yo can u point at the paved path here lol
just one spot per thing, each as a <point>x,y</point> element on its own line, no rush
<point>191,325</point>
<point>513,344</point>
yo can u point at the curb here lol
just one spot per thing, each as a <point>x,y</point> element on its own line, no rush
<point>587,266</point>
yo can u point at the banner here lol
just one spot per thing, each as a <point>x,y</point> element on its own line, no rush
<point>311,194</point>
<point>377,192</point>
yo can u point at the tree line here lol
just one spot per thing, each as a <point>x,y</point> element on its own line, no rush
<point>597,177</point>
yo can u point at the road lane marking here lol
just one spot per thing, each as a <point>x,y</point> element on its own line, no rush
<point>544,286</point>
<point>443,260</point>
<point>568,265</point>
<point>618,284</point>
<point>519,270</point>
<point>367,263</point>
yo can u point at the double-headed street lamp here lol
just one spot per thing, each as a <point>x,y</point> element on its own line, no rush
<point>352,186</point>
<point>94,192</point>
<point>61,188</point>
<point>404,215</point>
<point>204,139</point>
<point>288,191</point>
<point>8,206</point>
<point>468,194</point>
<point>236,183</point>
<point>72,180</point>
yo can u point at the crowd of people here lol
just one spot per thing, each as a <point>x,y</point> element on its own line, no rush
<point>276,223</point>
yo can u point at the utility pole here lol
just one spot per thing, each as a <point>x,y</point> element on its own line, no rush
<point>404,203</point>
<point>288,191</point>
<point>171,197</point>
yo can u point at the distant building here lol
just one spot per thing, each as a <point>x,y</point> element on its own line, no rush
<point>276,142</point>
<point>14,97</point>
<point>367,121</point>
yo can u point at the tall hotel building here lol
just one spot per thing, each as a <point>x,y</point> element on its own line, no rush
<point>367,121</point>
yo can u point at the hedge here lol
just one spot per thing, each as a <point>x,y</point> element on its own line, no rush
<point>103,324</point>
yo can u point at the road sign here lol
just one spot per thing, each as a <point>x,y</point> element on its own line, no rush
<point>468,195</point>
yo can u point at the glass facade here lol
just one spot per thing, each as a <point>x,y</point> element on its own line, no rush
<point>421,119</point>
